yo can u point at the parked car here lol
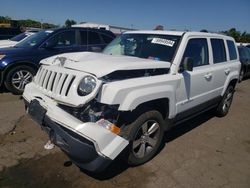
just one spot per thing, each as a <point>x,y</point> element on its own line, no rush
<point>19,64</point>
<point>244,53</point>
<point>95,106</point>
<point>14,40</point>
<point>7,33</point>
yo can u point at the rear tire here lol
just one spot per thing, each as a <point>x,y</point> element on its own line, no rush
<point>145,135</point>
<point>18,77</point>
<point>226,102</point>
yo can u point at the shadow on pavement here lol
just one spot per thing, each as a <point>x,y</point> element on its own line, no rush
<point>3,89</point>
<point>114,169</point>
<point>187,126</point>
<point>118,166</point>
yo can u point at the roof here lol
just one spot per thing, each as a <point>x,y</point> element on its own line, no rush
<point>178,33</point>
<point>156,32</point>
<point>82,28</point>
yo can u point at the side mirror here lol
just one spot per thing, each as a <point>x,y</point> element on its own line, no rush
<point>188,64</point>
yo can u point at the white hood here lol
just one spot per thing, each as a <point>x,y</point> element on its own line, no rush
<point>7,43</point>
<point>101,64</point>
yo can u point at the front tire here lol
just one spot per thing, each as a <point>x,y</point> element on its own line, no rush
<point>145,135</point>
<point>18,77</point>
<point>224,105</point>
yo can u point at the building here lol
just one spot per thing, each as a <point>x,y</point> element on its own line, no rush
<point>115,29</point>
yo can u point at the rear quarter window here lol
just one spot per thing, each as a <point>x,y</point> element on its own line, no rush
<point>106,39</point>
<point>94,38</point>
<point>219,52</point>
<point>232,50</point>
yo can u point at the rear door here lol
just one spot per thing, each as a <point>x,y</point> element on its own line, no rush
<point>224,57</point>
<point>248,60</point>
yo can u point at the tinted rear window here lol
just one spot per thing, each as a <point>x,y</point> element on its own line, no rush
<point>232,50</point>
<point>106,38</point>
<point>84,39</point>
<point>219,53</point>
<point>244,53</point>
<point>94,38</point>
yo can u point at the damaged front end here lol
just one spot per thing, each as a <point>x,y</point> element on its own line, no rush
<point>93,111</point>
<point>104,115</point>
<point>86,133</point>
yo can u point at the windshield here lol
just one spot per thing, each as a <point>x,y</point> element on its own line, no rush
<point>34,39</point>
<point>19,37</point>
<point>148,46</point>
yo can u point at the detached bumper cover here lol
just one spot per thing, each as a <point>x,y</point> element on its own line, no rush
<point>89,145</point>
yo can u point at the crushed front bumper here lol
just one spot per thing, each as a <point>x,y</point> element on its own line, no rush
<point>89,145</point>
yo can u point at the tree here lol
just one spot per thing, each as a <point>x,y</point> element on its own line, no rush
<point>69,23</point>
<point>235,34</point>
<point>5,19</point>
<point>238,36</point>
<point>159,27</point>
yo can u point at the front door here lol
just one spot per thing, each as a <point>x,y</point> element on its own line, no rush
<point>195,86</point>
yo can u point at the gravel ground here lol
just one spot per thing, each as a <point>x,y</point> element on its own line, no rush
<point>204,152</point>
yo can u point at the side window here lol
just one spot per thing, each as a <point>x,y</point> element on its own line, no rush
<point>63,39</point>
<point>232,50</point>
<point>248,52</point>
<point>219,53</point>
<point>244,52</point>
<point>94,38</point>
<point>106,38</point>
<point>197,49</point>
<point>84,39</point>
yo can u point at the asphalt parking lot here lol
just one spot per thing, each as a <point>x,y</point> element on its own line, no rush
<point>204,152</point>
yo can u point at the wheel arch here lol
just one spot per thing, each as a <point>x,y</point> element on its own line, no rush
<point>16,64</point>
<point>233,81</point>
<point>161,105</point>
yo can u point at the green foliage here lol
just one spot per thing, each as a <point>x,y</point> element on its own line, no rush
<point>238,36</point>
<point>27,23</point>
<point>69,23</point>
<point>36,24</point>
<point>5,19</point>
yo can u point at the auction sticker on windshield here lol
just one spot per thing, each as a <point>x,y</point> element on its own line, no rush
<point>164,42</point>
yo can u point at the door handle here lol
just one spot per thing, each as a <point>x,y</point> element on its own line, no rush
<point>227,71</point>
<point>208,76</point>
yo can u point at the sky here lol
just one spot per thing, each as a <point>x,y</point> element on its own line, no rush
<point>213,15</point>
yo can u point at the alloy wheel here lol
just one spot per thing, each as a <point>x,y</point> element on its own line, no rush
<point>228,101</point>
<point>146,138</point>
<point>21,78</point>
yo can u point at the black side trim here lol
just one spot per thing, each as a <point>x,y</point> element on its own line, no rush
<point>127,74</point>
<point>190,113</point>
<point>1,78</point>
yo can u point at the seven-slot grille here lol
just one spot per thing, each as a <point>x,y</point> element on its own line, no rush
<point>58,83</point>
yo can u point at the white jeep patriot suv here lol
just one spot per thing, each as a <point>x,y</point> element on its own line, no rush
<point>96,106</point>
